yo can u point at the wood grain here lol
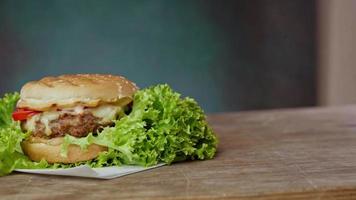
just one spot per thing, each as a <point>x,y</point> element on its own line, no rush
<point>286,154</point>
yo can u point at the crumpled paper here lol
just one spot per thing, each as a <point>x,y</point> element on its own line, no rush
<point>86,171</point>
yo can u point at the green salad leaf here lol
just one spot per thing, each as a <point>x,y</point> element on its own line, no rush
<point>11,155</point>
<point>161,127</point>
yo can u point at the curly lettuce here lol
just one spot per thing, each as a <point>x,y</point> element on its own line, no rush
<point>161,127</point>
<point>11,155</point>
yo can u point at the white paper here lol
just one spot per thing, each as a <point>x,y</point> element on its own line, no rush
<point>85,171</point>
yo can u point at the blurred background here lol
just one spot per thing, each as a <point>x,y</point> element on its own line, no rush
<point>228,55</point>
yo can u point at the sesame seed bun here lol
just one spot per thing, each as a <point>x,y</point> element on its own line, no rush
<point>69,90</point>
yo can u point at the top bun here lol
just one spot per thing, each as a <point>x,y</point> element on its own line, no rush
<point>69,90</point>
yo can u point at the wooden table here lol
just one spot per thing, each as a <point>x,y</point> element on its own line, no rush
<point>286,154</point>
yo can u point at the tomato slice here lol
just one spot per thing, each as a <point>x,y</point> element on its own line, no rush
<point>23,114</point>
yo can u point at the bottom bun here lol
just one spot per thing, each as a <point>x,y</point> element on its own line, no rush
<point>50,150</point>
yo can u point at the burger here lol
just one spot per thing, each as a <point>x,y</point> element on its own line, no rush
<point>76,105</point>
<point>100,121</point>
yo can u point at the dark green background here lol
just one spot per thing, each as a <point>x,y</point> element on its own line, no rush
<point>229,55</point>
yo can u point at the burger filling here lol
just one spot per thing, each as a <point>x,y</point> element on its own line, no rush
<point>78,121</point>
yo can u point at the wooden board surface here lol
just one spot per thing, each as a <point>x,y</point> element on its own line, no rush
<point>287,154</point>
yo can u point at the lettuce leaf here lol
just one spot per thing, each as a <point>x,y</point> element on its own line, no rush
<point>162,127</point>
<point>11,155</point>
<point>7,105</point>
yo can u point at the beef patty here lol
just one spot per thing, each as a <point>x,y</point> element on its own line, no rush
<point>76,125</point>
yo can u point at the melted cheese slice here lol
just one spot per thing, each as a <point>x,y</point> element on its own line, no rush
<point>107,113</point>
